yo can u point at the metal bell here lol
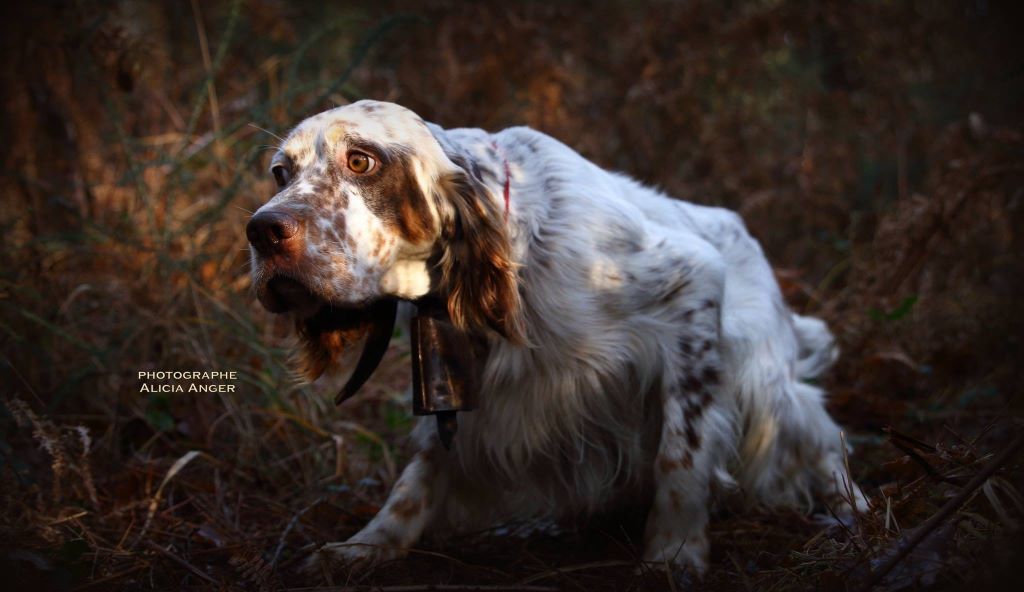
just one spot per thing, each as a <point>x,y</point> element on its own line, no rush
<point>444,377</point>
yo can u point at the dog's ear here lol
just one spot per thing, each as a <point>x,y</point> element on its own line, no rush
<point>477,274</point>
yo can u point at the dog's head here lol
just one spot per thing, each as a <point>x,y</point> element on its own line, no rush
<point>371,207</point>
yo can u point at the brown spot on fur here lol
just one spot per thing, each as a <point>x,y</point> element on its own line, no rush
<point>674,289</point>
<point>394,195</point>
<point>379,245</point>
<point>675,499</point>
<point>407,508</point>
<point>692,438</point>
<point>666,465</point>
<point>694,410</point>
<point>692,384</point>
<point>428,455</point>
<point>429,459</point>
<point>710,375</point>
<point>414,223</point>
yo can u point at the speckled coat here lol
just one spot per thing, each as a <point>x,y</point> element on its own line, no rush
<point>637,346</point>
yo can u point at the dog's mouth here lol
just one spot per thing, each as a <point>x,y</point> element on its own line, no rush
<point>321,322</point>
<point>284,294</point>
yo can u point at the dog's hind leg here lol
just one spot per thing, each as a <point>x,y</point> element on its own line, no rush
<point>695,433</point>
<point>790,450</point>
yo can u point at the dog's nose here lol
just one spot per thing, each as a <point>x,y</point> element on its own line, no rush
<point>270,232</point>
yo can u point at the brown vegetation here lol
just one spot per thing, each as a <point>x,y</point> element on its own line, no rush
<point>874,148</point>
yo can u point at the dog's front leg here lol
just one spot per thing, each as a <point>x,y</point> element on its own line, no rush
<point>400,522</point>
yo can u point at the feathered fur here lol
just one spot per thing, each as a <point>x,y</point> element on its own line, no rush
<point>638,346</point>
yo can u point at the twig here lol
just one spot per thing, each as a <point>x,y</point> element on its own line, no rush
<point>290,526</point>
<point>939,517</point>
<point>906,445</point>
<point>68,518</point>
<point>154,503</point>
<point>895,435</point>
<point>924,464</point>
<point>429,588</point>
<point>849,533</point>
<point>459,562</point>
<point>111,577</point>
<point>571,568</point>
<point>204,49</point>
<point>195,570</point>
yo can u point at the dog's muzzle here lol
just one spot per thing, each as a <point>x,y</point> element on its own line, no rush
<point>444,374</point>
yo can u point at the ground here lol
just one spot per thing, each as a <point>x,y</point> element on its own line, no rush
<point>875,149</point>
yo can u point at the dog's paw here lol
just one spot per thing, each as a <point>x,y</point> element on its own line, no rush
<point>352,557</point>
<point>678,555</point>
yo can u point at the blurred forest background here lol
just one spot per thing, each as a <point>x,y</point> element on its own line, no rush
<point>874,147</point>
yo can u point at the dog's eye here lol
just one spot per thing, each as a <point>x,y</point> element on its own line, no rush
<point>281,174</point>
<point>360,162</point>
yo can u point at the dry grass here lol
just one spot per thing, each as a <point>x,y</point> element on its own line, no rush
<point>875,149</point>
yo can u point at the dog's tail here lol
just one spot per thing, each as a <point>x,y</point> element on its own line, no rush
<point>817,349</point>
<point>791,451</point>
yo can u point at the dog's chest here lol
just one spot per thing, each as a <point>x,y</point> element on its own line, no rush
<point>561,431</point>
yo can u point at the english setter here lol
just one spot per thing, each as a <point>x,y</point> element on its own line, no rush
<point>632,346</point>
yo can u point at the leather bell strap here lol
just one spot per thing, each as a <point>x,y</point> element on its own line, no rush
<point>382,326</point>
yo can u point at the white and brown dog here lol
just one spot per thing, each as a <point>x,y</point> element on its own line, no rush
<point>632,344</point>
